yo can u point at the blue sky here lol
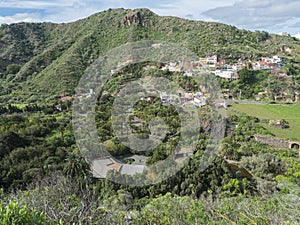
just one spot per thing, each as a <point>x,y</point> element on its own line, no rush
<point>271,15</point>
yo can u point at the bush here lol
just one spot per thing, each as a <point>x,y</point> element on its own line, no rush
<point>13,213</point>
<point>12,69</point>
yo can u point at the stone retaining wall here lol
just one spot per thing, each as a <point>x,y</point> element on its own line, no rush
<point>277,142</point>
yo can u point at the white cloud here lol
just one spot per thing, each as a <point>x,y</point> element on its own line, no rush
<point>270,15</point>
<point>193,8</point>
<point>253,3</point>
<point>20,17</point>
<point>34,4</point>
<point>70,15</point>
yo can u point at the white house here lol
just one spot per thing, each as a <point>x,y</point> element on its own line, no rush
<point>228,74</point>
<point>173,67</point>
<point>198,94</point>
<point>238,66</point>
<point>256,66</point>
<point>188,74</point>
<point>189,95</point>
<point>201,101</point>
<point>274,59</point>
<point>212,59</point>
<point>168,98</point>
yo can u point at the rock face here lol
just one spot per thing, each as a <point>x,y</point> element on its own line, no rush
<point>134,18</point>
<point>286,49</point>
<point>139,18</point>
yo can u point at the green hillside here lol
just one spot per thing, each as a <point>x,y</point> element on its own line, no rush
<point>45,59</point>
<point>47,177</point>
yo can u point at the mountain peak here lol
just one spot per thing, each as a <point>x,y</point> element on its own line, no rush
<point>141,17</point>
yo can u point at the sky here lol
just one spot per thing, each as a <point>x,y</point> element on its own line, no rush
<point>269,15</point>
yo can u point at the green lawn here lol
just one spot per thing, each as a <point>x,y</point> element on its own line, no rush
<point>291,113</point>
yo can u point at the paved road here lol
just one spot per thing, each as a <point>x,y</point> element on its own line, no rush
<point>247,102</point>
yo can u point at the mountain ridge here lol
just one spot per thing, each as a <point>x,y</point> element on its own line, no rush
<point>53,57</point>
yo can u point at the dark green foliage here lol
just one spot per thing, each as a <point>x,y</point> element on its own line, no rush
<point>246,76</point>
<point>32,145</point>
<point>12,69</point>
<point>76,165</point>
<point>284,124</point>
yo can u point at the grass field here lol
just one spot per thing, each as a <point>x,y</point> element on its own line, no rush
<point>290,113</point>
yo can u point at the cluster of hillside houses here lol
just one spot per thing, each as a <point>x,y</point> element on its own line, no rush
<point>187,99</point>
<point>209,64</point>
<point>221,69</point>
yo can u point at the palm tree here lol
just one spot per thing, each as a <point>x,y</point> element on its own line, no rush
<point>76,165</point>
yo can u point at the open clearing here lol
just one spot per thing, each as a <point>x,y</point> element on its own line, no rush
<point>290,113</point>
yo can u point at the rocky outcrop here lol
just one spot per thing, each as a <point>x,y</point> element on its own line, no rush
<point>286,49</point>
<point>134,18</point>
<point>139,18</point>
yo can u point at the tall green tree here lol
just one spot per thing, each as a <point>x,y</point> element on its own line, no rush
<point>246,76</point>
